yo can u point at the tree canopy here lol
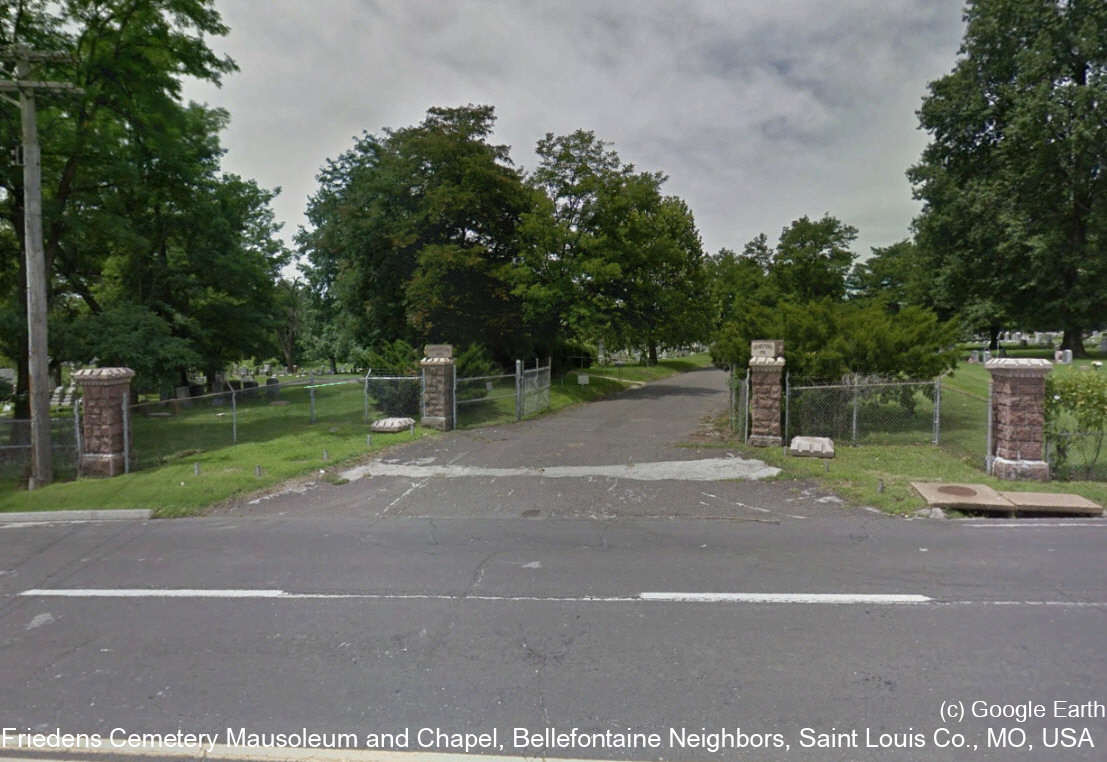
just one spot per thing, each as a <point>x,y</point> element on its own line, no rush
<point>1013,181</point>
<point>139,219</point>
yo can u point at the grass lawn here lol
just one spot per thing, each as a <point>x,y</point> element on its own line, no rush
<point>856,473</point>
<point>186,460</point>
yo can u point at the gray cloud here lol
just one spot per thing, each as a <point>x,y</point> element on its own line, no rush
<point>759,112</point>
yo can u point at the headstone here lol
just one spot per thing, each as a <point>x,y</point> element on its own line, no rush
<point>582,379</point>
<point>1066,357</point>
<point>8,374</point>
<point>974,356</point>
<point>272,388</point>
<point>987,355</point>
<point>436,351</point>
<point>1103,343</point>
<point>250,389</point>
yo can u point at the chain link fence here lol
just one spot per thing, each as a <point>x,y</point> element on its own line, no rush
<point>173,428</point>
<point>501,398</point>
<point>739,386</point>
<point>485,400</point>
<point>964,425</point>
<point>534,395</point>
<point>15,448</point>
<point>864,411</point>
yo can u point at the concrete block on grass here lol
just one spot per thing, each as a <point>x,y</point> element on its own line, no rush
<point>812,447</point>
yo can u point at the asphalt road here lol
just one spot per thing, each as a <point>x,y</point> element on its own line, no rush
<point>508,579</point>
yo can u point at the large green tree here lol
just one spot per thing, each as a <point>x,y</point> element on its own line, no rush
<point>413,233</point>
<point>1015,217</point>
<point>139,220</point>
<point>608,255</point>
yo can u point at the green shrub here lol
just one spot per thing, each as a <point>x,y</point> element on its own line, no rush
<point>1076,418</point>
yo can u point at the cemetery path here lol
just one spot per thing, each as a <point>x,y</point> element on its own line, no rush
<point>649,452</point>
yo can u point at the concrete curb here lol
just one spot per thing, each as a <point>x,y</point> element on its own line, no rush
<point>122,514</point>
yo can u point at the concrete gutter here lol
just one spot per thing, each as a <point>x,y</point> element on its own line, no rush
<point>122,514</point>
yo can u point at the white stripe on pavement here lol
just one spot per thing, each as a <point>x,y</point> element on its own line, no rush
<point>880,599</point>
<point>867,599</point>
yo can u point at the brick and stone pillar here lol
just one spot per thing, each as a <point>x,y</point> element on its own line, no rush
<point>438,387</point>
<point>766,368</point>
<point>102,439</point>
<point>1018,418</point>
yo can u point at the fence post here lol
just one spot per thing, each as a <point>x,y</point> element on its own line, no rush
<point>453,395</point>
<point>856,403</point>
<point>746,410</point>
<point>988,456</point>
<point>77,433</point>
<point>127,431</point>
<point>234,417</point>
<point>518,390</point>
<point>365,399</point>
<point>733,402</point>
<point>937,409</point>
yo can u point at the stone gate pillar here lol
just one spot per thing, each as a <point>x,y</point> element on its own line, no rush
<point>766,368</point>
<point>438,387</point>
<point>102,439</point>
<point>1017,433</point>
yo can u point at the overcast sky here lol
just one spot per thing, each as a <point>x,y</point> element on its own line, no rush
<point>759,111</point>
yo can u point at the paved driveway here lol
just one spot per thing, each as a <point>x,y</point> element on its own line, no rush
<point>648,452</point>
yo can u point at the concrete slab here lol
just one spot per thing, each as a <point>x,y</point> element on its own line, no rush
<point>812,447</point>
<point>1047,502</point>
<point>971,497</point>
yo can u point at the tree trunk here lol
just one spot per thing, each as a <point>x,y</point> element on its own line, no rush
<point>993,338</point>
<point>1074,340</point>
<point>653,353</point>
<point>334,365</point>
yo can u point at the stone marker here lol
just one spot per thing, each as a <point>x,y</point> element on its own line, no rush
<point>391,425</point>
<point>582,379</point>
<point>770,349</point>
<point>812,447</point>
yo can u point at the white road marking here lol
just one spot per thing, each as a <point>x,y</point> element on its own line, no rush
<point>708,469</point>
<point>867,599</point>
<point>140,592</point>
<point>839,598</point>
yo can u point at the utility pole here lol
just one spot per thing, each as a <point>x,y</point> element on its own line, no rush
<point>42,466</point>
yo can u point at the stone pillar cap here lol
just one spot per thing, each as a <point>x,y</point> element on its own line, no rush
<point>767,362</point>
<point>1019,365</point>
<point>103,375</point>
<point>437,361</point>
